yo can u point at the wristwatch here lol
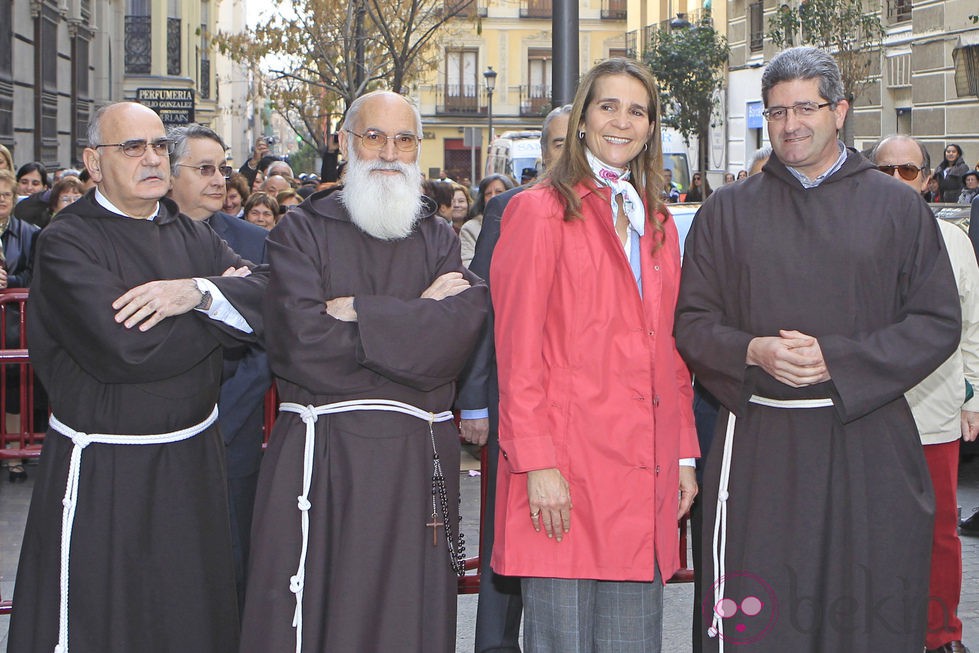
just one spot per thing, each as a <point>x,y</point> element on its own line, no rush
<point>205,302</point>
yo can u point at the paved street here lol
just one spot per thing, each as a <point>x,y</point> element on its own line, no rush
<point>14,501</point>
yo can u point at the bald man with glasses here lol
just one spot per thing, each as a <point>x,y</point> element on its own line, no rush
<point>127,545</point>
<point>943,410</point>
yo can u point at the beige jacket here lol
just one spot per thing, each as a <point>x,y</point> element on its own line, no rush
<point>937,402</point>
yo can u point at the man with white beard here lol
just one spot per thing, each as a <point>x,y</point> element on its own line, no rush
<point>372,318</point>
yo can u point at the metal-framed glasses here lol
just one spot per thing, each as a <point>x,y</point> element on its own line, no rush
<point>378,140</point>
<point>908,171</point>
<point>208,169</point>
<point>137,146</point>
<point>801,110</point>
<point>6,195</point>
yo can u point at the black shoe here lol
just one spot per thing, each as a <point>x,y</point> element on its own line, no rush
<point>970,526</point>
<point>17,474</point>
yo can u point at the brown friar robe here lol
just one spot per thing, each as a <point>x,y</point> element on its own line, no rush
<point>374,581</point>
<point>830,509</point>
<point>151,563</point>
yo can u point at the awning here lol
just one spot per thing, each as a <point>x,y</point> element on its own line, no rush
<point>966,60</point>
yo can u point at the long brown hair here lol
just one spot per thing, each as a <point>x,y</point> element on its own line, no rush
<point>646,168</point>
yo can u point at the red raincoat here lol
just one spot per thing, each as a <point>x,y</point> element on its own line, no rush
<point>590,383</point>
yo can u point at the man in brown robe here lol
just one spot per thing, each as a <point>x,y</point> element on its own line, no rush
<point>813,296</point>
<point>371,316</point>
<point>130,306</point>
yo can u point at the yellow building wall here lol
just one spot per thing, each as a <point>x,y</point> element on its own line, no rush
<point>503,39</point>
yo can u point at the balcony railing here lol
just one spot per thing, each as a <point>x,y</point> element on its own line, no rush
<point>631,45</point>
<point>173,46</point>
<point>535,100</point>
<point>535,8</point>
<point>465,8</point>
<point>756,15</point>
<point>460,99</point>
<point>138,45</point>
<point>614,9</point>
<point>898,11</point>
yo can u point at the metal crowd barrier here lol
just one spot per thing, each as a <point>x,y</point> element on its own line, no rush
<point>21,438</point>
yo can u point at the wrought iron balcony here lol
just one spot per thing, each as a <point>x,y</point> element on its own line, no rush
<point>535,100</point>
<point>631,45</point>
<point>898,11</point>
<point>614,9</point>
<point>138,45</point>
<point>173,46</point>
<point>460,99</point>
<point>535,9</point>
<point>465,8</point>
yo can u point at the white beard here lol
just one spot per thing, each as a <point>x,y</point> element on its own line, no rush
<point>384,206</point>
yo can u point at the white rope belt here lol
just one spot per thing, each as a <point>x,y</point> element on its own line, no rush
<point>719,548</point>
<point>309,415</point>
<point>82,440</point>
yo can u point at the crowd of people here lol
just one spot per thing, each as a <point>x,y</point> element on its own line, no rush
<point>799,384</point>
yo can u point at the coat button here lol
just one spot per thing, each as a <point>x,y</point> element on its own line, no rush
<point>656,400</point>
<point>657,470</point>
<point>651,333</point>
<point>656,267</point>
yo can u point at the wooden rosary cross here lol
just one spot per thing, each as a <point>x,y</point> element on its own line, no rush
<point>434,524</point>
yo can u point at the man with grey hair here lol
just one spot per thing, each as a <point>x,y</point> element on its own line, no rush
<point>127,540</point>
<point>371,318</point>
<point>759,159</point>
<point>500,606</point>
<point>943,415</point>
<point>198,186</point>
<point>812,297</point>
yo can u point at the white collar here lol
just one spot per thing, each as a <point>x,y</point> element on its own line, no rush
<point>109,206</point>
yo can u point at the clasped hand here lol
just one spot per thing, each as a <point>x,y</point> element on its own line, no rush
<point>793,358</point>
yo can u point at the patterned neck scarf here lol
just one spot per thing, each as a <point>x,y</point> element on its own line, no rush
<point>618,180</point>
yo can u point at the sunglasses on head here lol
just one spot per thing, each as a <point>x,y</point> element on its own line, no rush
<point>907,171</point>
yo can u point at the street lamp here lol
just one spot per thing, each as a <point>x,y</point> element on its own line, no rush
<point>490,77</point>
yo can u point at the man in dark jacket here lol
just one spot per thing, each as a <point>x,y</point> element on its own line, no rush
<point>500,606</point>
<point>198,178</point>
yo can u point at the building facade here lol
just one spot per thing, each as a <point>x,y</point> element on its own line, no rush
<point>926,84</point>
<point>62,59</point>
<point>514,38</point>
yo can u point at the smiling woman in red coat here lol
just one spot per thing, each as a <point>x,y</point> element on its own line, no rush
<point>596,429</point>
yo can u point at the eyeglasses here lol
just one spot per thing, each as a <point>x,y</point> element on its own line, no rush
<point>137,147</point>
<point>908,171</point>
<point>208,169</point>
<point>801,109</point>
<point>378,140</point>
<point>6,196</point>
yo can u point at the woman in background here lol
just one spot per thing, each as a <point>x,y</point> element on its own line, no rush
<point>699,188</point>
<point>489,187</point>
<point>459,208</point>
<point>237,195</point>
<point>262,209</point>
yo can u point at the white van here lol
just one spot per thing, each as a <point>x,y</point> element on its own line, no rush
<point>675,158</point>
<point>513,152</point>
